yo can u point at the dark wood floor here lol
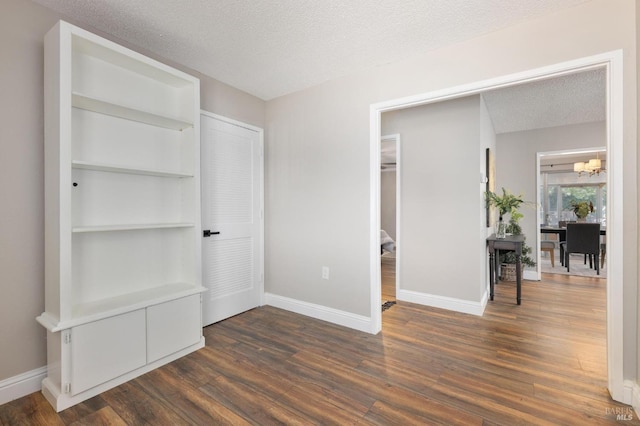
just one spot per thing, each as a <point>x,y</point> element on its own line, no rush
<point>388,278</point>
<point>542,362</point>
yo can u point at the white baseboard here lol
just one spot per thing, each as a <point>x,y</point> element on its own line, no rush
<point>335,316</point>
<point>450,303</point>
<point>21,385</point>
<point>631,394</point>
<point>530,275</point>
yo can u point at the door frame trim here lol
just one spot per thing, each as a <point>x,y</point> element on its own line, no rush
<point>613,62</point>
<point>260,132</point>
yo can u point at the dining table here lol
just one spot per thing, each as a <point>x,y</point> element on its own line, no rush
<point>561,232</point>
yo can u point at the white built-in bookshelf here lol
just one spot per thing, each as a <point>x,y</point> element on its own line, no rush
<point>122,215</point>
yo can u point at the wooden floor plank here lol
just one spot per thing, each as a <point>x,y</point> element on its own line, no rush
<point>32,409</point>
<point>542,362</point>
<point>103,417</point>
<point>256,407</point>
<point>135,405</point>
<point>487,395</point>
<point>187,401</point>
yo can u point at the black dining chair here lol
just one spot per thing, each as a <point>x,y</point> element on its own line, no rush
<point>583,238</point>
<point>563,225</point>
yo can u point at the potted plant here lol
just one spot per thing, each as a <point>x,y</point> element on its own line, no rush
<point>515,229</point>
<point>582,209</point>
<point>509,203</point>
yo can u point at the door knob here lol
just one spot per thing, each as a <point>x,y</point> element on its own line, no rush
<point>208,233</point>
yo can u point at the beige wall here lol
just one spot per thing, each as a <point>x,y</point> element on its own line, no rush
<point>317,163</point>
<point>22,340</point>
<point>388,202</point>
<point>440,143</point>
<point>22,28</point>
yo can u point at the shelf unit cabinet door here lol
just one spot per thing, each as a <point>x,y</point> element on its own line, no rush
<point>105,349</point>
<point>173,326</point>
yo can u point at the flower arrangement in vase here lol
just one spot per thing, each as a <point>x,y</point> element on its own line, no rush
<point>582,209</point>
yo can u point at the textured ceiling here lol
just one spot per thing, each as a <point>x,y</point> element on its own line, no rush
<point>571,99</point>
<point>273,47</point>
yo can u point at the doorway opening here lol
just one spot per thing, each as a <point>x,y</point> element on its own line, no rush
<point>612,62</point>
<point>389,218</point>
<point>560,187</point>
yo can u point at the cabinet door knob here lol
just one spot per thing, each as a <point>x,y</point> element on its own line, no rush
<point>208,233</point>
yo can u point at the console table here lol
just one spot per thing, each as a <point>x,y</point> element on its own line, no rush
<point>511,243</point>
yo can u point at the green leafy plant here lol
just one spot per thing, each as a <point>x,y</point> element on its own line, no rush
<point>507,203</point>
<point>515,229</point>
<point>582,208</point>
<point>510,203</point>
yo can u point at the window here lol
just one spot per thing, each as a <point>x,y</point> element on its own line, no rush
<point>557,200</point>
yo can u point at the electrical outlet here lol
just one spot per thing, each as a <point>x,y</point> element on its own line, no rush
<point>325,272</point>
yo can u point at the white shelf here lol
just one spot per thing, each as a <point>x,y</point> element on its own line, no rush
<point>125,130</point>
<point>105,50</point>
<point>102,106</point>
<point>87,165</point>
<point>100,309</point>
<point>131,227</point>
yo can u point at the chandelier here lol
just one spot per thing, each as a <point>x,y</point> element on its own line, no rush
<point>592,167</point>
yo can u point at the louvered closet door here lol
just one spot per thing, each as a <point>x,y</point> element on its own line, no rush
<point>231,202</point>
